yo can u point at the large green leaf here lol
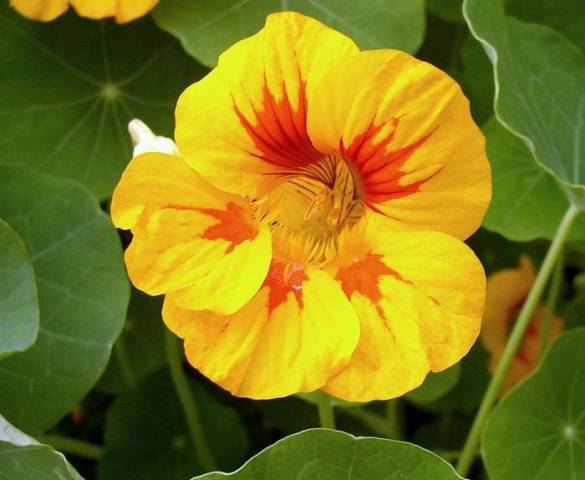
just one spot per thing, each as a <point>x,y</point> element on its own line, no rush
<point>147,436</point>
<point>537,432</point>
<point>140,350</point>
<point>540,80</point>
<point>19,308</point>
<point>527,201</point>
<point>83,294</point>
<point>567,17</point>
<point>331,455</point>
<point>477,80</point>
<point>23,458</point>
<point>69,88</point>
<point>207,28</point>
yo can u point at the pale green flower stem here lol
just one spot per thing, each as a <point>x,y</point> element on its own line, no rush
<point>192,415</point>
<point>491,394</point>
<point>73,446</point>
<point>551,303</point>
<point>326,414</point>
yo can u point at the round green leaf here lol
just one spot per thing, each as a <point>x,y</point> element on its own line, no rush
<point>435,386</point>
<point>331,455</point>
<point>540,79</point>
<point>70,87</point>
<point>449,10</point>
<point>527,202</point>
<point>140,350</point>
<point>83,295</point>
<point>147,436</point>
<point>537,431</point>
<point>569,20</point>
<point>19,308</point>
<point>23,458</point>
<point>207,28</point>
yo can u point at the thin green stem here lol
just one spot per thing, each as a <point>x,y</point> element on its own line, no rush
<point>73,446</point>
<point>175,358</point>
<point>394,418</point>
<point>375,422</point>
<point>326,414</point>
<point>551,303</point>
<point>124,361</point>
<point>491,394</point>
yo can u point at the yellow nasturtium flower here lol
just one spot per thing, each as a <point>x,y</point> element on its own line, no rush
<point>46,10</point>
<point>310,234</point>
<point>506,292</point>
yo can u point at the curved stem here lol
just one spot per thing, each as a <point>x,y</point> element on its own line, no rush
<point>326,414</point>
<point>491,394</point>
<point>73,446</point>
<point>551,303</point>
<point>175,358</point>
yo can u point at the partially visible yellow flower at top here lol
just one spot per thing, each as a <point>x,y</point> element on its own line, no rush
<point>310,234</point>
<point>506,292</point>
<point>46,10</point>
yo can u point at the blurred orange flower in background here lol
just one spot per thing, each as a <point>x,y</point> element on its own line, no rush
<point>506,292</point>
<point>309,235</point>
<point>122,10</point>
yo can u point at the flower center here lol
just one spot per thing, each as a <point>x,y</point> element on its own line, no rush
<point>308,210</point>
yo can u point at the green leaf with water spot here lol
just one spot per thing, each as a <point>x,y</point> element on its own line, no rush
<point>536,432</point>
<point>19,308</point>
<point>70,87</point>
<point>331,455</point>
<point>147,436</point>
<point>207,28</point>
<point>527,201</point>
<point>540,79</point>
<point>83,294</point>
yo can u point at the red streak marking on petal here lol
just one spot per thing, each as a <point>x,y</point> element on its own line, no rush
<point>233,225</point>
<point>363,276</point>
<point>381,169</point>
<point>284,278</point>
<point>279,131</point>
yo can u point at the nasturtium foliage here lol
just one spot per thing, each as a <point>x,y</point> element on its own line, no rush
<point>207,28</point>
<point>70,87</point>
<point>83,294</point>
<point>527,201</point>
<point>23,458</point>
<point>147,436</point>
<point>139,350</point>
<point>537,432</point>
<point>477,80</point>
<point>330,455</point>
<point>567,18</point>
<point>540,80</point>
<point>19,308</point>
<point>435,386</point>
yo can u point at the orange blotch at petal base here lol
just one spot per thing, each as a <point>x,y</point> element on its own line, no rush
<point>323,195</point>
<point>232,226</point>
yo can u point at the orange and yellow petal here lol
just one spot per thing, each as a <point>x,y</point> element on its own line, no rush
<point>247,118</point>
<point>297,332</point>
<point>123,10</point>
<point>189,238</point>
<point>406,128</point>
<point>506,292</point>
<point>419,297</point>
<point>44,10</point>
